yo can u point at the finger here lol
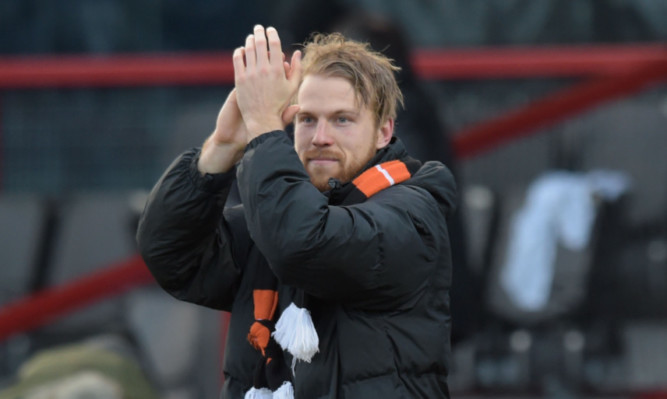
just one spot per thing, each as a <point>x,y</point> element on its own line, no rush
<point>294,75</point>
<point>260,45</point>
<point>289,113</point>
<point>237,60</point>
<point>275,48</point>
<point>250,53</point>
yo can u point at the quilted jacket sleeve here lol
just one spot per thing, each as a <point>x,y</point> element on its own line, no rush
<point>187,240</point>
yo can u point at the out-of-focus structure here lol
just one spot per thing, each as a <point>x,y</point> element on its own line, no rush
<point>556,114</point>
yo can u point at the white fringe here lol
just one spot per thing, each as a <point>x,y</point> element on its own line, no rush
<point>296,333</point>
<point>286,391</point>
<point>262,393</point>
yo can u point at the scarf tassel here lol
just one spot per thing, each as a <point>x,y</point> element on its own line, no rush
<point>258,393</point>
<point>286,391</point>
<point>296,333</point>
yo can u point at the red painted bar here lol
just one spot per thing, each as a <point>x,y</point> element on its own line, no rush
<point>535,62</point>
<point>216,68</point>
<point>47,306</point>
<point>115,71</point>
<point>553,108</point>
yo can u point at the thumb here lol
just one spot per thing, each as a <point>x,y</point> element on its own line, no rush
<point>233,103</point>
<point>289,113</point>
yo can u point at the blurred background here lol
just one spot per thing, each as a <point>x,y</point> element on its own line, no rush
<point>552,114</point>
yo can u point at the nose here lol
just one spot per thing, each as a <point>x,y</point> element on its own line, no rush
<point>322,137</point>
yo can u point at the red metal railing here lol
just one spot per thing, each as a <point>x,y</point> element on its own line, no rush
<point>210,69</point>
<point>46,306</point>
<point>555,107</point>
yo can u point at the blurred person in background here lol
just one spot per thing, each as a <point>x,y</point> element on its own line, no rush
<point>340,224</point>
<point>100,367</point>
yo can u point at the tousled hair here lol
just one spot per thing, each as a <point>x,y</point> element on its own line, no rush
<point>371,74</point>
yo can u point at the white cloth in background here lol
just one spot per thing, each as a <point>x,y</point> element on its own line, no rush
<point>559,208</point>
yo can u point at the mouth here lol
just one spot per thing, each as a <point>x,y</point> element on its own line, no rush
<point>322,161</point>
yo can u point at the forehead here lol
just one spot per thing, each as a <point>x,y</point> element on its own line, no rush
<point>323,92</point>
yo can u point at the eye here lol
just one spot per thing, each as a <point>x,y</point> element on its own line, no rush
<point>342,120</point>
<point>305,119</point>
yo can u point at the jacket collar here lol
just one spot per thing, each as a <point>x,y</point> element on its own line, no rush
<point>347,193</point>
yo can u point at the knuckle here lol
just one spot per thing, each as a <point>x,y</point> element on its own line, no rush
<point>276,72</point>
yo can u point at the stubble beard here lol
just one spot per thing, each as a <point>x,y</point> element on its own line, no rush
<point>348,172</point>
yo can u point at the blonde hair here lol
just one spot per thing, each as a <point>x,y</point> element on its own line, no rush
<point>370,73</point>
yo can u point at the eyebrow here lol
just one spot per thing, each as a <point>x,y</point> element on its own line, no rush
<point>334,113</point>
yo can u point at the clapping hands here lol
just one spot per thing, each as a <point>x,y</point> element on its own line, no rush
<point>265,83</point>
<point>259,103</point>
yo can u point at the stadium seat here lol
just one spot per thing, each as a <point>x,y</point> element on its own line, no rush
<point>23,219</point>
<point>94,231</point>
<point>22,222</point>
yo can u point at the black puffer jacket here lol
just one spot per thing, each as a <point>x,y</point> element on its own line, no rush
<point>376,274</point>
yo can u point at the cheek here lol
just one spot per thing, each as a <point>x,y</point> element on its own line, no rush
<point>361,143</point>
<point>349,138</point>
<point>300,140</point>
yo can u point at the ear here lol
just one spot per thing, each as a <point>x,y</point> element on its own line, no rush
<point>385,132</point>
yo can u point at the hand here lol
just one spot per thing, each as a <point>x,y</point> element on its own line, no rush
<point>224,147</point>
<point>265,83</point>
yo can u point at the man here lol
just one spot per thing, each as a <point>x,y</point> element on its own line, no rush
<point>341,222</point>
